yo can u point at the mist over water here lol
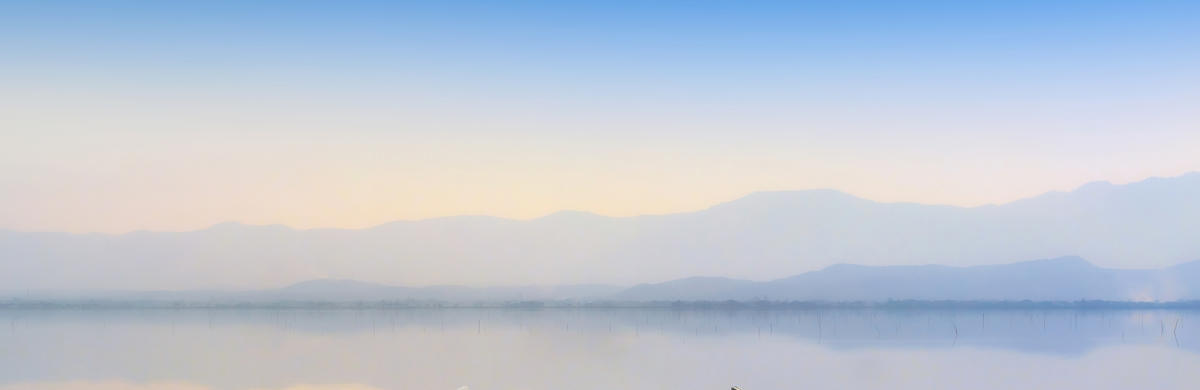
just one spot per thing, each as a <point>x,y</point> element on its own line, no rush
<point>578,195</point>
<point>597,349</point>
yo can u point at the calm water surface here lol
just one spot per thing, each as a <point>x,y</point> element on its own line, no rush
<point>597,349</point>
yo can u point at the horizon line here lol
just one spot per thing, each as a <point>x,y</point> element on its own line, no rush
<point>590,213</point>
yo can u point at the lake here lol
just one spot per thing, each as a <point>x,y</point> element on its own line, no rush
<point>479,349</point>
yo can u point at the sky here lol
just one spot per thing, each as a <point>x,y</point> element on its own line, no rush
<point>120,116</point>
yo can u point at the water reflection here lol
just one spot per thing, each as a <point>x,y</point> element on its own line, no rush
<point>594,349</point>
<point>117,385</point>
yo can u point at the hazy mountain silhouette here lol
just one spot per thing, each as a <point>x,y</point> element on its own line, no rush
<point>350,290</point>
<point>762,236</point>
<point>329,290</point>
<point>1060,279</point>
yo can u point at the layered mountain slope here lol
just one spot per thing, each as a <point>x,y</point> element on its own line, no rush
<point>762,236</point>
<point>1060,279</point>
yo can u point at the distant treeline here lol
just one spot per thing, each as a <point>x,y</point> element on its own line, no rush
<point>725,305</point>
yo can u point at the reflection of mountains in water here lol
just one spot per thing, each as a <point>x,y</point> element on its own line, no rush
<point>1055,331</point>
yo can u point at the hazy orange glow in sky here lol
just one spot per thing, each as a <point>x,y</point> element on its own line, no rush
<point>122,180</point>
<point>176,117</point>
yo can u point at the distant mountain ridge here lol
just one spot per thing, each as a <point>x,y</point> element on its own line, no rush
<point>350,290</point>
<point>1059,279</point>
<point>1064,279</point>
<point>328,290</point>
<point>762,236</point>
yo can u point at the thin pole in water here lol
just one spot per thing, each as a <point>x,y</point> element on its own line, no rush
<point>1175,332</point>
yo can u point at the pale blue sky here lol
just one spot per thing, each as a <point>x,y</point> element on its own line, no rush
<point>118,116</point>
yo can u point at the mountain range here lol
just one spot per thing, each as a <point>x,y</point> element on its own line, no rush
<point>1060,280</point>
<point>760,237</point>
